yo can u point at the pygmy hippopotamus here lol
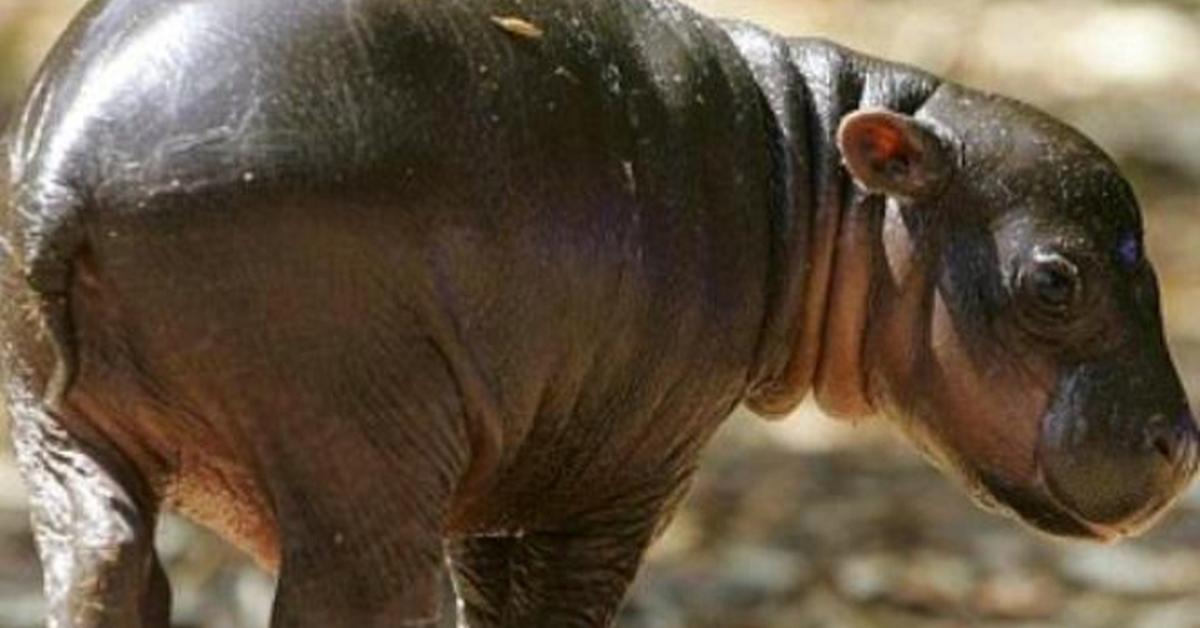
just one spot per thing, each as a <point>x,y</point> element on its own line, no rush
<point>365,284</point>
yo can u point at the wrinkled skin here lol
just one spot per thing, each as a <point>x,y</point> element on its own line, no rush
<point>360,284</point>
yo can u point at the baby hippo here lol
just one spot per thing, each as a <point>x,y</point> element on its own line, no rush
<point>364,285</point>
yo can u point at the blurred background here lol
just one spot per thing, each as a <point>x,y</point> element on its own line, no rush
<point>813,523</point>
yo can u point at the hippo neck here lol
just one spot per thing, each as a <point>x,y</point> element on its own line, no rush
<point>827,232</point>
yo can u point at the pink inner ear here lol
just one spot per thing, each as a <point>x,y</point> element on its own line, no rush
<point>882,142</point>
<point>892,153</point>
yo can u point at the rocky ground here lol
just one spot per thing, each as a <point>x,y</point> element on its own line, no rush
<point>809,523</point>
<point>781,534</point>
<point>869,536</point>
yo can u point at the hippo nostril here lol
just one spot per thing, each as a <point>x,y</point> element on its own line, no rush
<point>1165,446</point>
<point>1175,441</point>
<point>1188,454</point>
<point>1123,477</point>
<point>1163,436</point>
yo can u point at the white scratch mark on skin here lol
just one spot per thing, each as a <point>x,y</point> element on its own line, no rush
<point>359,28</point>
<point>567,74</point>
<point>353,115</point>
<point>518,26</point>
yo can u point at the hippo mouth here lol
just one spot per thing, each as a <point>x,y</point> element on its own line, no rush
<point>1037,506</point>
<point>1032,503</point>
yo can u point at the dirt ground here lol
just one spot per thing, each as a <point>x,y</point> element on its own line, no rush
<point>811,523</point>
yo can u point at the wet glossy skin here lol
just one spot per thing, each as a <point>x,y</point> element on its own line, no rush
<point>1032,206</point>
<point>360,283</point>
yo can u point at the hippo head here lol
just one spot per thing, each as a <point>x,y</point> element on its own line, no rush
<point>1016,334</point>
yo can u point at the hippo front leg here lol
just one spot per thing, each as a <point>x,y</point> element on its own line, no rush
<point>480,566</point>
<point>361,498</point>
<point>355,558</point>
<point>575,577</point>
<point>93,525</point>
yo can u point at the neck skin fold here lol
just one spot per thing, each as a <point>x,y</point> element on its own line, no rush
<point>828,253</point>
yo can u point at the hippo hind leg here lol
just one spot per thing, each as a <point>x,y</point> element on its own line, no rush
<point>93,516</point>
<point>573,576</point>
<point>94,534</point>
<point>562,579</point>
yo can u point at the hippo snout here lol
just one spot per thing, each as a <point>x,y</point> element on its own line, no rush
<point>1115,473</point>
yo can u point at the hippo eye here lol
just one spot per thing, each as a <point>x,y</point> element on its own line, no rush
<point>1129,250</point>
<point>1052,282</point>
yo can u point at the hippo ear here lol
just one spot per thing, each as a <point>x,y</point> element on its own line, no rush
<point>893,154</point>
